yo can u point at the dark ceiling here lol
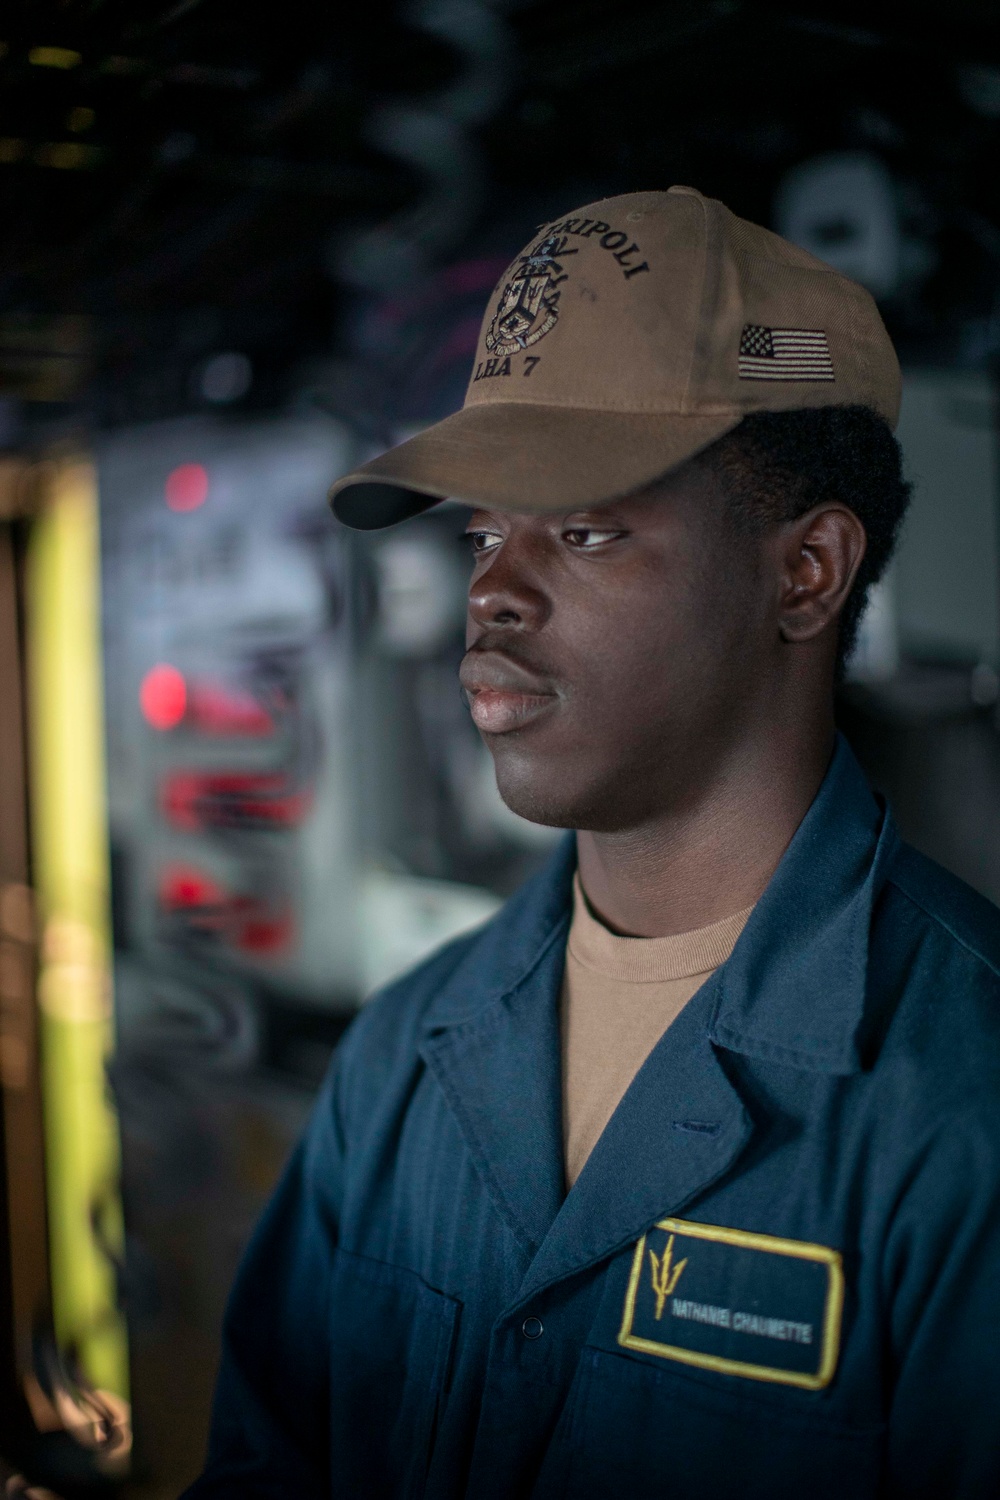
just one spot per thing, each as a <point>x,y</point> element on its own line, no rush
<point>206,176</point>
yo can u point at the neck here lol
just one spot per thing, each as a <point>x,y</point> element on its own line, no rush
<point>686,867</point>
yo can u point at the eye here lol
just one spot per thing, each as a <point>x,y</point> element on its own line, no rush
<point>483,541</point>
<point>589,538</point>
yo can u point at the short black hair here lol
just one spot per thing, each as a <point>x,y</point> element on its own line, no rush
<point>776,465</point>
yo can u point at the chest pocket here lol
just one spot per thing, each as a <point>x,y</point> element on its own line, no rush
<point>392,1337</point>
<point>637,1429</point>
<point>707,1376</point>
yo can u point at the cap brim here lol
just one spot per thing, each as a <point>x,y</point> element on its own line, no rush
<point>522,457</point>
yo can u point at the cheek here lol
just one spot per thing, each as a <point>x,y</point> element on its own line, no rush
<point>656,655</point>
<point>641,642</point>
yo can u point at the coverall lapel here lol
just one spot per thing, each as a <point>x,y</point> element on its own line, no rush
<point>492,1043</point>
<point>679,1127</point>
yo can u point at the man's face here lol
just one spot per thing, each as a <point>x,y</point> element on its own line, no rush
<point>614,654</point>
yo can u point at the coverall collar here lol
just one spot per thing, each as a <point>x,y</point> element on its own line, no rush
<point>793,990</point>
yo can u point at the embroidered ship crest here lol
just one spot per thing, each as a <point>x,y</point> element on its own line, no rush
<point>529,303</point>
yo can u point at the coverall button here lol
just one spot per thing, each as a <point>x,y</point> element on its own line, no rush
<point>532,1328</point>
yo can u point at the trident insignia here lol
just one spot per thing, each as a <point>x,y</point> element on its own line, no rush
<point>665,1277</point>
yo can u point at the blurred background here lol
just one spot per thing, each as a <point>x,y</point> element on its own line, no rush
<point>239,252</point>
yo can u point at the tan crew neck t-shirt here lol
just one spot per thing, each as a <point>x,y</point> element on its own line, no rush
<point>619,995</point>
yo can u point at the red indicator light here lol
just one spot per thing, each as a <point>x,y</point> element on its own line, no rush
<point>193,800</point>
<point>216,709</point>
<point>186,487</point>
<point>163,697</point>
<point>245,922</point>
<point>184,887</point>
<point>264,934</point>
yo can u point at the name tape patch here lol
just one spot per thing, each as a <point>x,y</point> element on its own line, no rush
<point>739,1303</point>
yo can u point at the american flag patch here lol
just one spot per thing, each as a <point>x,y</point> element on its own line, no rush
<point>784,354</point>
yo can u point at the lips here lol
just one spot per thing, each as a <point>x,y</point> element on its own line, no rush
<point>503,695</point>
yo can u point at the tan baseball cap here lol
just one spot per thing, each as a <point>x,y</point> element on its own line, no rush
<point>626,337</point>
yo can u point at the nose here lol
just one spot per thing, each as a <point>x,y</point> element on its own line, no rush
<point>506,591</point>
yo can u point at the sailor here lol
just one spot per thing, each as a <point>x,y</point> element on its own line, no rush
<point>682,1176</point>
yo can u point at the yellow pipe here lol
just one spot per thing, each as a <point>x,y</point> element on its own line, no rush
<point>72,881</point>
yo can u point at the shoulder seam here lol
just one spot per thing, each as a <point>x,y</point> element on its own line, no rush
<point>942,922</point>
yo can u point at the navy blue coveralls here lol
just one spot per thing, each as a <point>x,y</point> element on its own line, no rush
<point>778,1274</point>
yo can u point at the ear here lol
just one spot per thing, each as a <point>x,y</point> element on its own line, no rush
<point>820,554</point>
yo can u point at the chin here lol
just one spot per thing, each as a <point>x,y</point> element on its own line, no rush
<point>553,796</point>
<point>538,809</point>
